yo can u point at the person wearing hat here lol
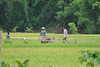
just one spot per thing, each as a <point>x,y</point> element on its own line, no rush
<point>43,33</point>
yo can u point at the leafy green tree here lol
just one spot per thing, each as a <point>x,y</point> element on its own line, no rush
<point>41,12</point>
<point>84,13</point>
<point>37,13</point>
<point>13,13</point>
<point>73,27</point>
<point>88,14</point>
<point>65,12</point>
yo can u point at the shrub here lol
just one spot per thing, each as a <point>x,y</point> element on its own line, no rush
<point>3,64</point>
<point>2,29</point>
<point>15,28</point>
<point>72,28</point>
<point>29,29</point>
<point>90,57</point>
<point>24,64</point>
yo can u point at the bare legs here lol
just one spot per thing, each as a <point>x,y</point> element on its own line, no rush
<point>65,39</point>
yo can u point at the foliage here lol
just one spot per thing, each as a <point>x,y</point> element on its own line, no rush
<point>15,28</point>
<point>2,29</point>
<point>90,57</point>
<point>85,13</point>
<point>3,64</point>
<point>29,29</point>
<point>37,13</point>
<point>25,64</point>
<point>73,27</point>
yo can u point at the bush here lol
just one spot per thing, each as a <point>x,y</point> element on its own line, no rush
<point>15,29</point>
<point>29,29</point>
<point>2,29</point>
<point>24,64</point>
<point>90,57</point>
<point>72,28</point>
<point>3,64</point>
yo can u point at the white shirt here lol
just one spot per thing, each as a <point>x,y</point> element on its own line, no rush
<point>65,33</point>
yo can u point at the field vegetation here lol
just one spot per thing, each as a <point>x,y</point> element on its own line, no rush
<point>50,54</point>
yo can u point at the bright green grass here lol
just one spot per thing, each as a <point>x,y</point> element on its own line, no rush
<point>45,55</point>
<point>71,37</point>
<point>21,43</point>
<point>39,57</point>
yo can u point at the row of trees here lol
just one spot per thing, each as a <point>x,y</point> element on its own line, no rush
<point>52,14</point>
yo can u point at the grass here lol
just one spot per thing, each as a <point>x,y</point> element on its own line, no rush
<point>45,55</point>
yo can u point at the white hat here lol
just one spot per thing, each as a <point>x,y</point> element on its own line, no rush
<point>42,28</point>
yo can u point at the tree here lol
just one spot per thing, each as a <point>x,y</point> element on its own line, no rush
<point>73,27</point>
<point>88,14</point>
<point>50,13</point>
<point>84,13</point>
<point>41,12</point>
<point>13,13</point>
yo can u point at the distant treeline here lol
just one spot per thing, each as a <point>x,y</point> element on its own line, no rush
<point>52,14</point>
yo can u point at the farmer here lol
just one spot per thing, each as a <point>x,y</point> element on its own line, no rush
<point>65,35</point>
<point>8,37</point>
<point>43,34</point>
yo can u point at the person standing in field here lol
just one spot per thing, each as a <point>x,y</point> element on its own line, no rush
<point>8,36</point>
<point>43,34</point>
<point>65,35</point>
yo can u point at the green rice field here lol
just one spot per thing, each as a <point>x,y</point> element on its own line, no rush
<point>50,54</point>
